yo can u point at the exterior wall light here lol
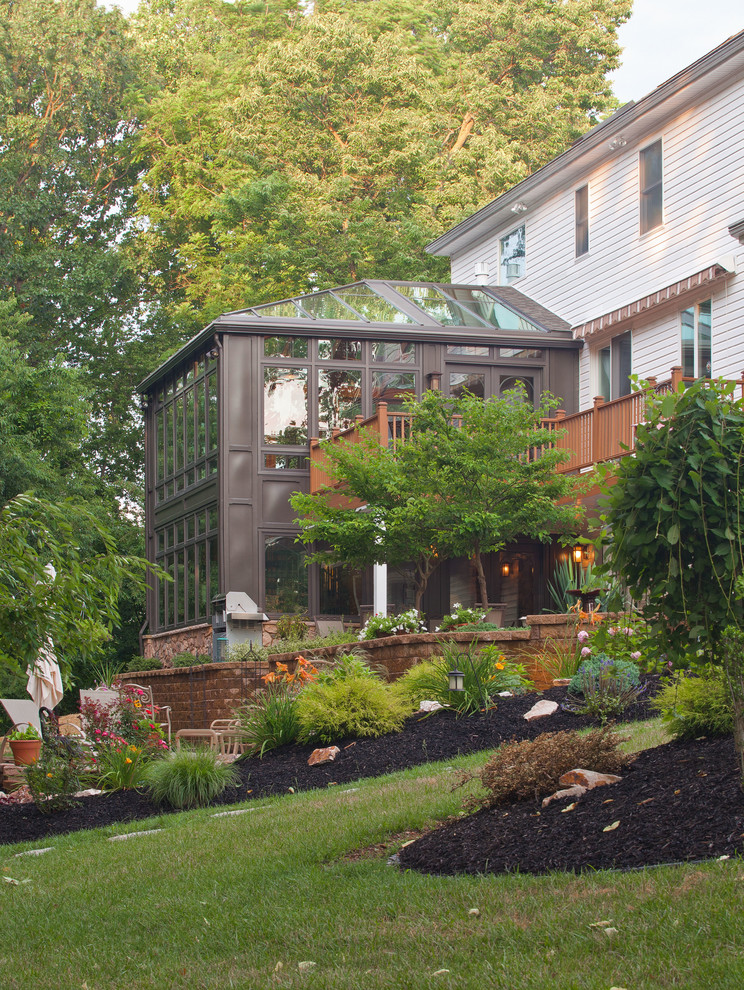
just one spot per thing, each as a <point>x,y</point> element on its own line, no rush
<point>506,568</point>
<point>578,554</point>
<point>519,208</point>
<point>434,381</point>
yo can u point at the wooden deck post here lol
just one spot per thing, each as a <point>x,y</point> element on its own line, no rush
<point>676,377</point>
<point>382,423</point>
<point>596,438</point>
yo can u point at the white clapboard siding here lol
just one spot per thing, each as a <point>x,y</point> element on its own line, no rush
<point>703,157</point>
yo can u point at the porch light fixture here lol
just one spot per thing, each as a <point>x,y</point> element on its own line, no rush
<point>434,381</point>
<point>506,568</point>
<point>578,554</point>
<point>616,143</point>
<point>213,354</point>
<point>519,207</point>
<point>456,680</point>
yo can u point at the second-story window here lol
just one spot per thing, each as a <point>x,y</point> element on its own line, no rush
<point>581,208</point>
<point>651,186</point>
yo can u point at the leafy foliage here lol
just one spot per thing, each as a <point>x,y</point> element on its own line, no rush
<point>486,671</point>
<point>189,778</point>
<point>693,706</point>
<point>530,769</point>
<point>392,625</point>
<point>675,519</point>
<point>53,780</point>
<point>607,689</point>
<point>590,670</point>
<point>78,608</point>
<point>461,616</point>
<point>463,484</point>
<point>349,706</point>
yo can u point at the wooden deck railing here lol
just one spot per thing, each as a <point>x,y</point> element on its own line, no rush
<point>604,432</point>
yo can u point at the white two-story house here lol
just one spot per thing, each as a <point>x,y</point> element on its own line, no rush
<point>633,235</point>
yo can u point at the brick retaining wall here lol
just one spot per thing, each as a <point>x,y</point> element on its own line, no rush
<point>197,695</point>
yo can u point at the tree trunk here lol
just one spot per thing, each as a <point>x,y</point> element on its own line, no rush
<point>481,577</point>
<point>738,699</point>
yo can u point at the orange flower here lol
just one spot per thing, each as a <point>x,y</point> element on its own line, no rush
<point>500,666</point>
<point>281,667</point>
<point>269,678</point>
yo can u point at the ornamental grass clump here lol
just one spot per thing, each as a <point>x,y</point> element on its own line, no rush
<point>530,769</point>
<point>350,706</point>
<point>189,778</point>
<point>486,672</point>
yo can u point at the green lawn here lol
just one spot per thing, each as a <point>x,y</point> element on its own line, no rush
<point>240,901</point>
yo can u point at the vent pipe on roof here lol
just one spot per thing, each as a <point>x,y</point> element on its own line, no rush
<point>481,273</point>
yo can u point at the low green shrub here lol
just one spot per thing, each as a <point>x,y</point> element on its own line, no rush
<point>138,663</point>
<point>693,706</point>
<point>484,627</point>
<point>350,706</point>
<point>347,663</point>
<point>269,719</point>
<point>246,652</point>
<point>315,643</point>
<point>604,695</point>
<point>187,659</point>
<point>189,778</point>
<point>53,780</point>
<point>626,671</point>
<point>529,769</point>
<point>292,627</point>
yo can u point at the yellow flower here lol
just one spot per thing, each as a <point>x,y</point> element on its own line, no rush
<point>127,760</point>
<point>500,666</point>
<point>50,775</point>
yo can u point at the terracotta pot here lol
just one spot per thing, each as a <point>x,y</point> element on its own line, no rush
<point>25,751</point>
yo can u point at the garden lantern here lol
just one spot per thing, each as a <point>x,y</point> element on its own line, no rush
<point>456,680</point>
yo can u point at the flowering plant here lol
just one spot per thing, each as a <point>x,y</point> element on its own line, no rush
<point>117,765</point>
<point>619,637</point>
<point>393,625</point>
<point>303,673</point>
<point>461,616</point>
<point>129,718</point>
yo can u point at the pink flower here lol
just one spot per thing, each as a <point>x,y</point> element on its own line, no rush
<point>636,655</point>
<point>586,652</point>
<point>583,636</point>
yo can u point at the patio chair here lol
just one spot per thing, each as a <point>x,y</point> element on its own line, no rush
<point>231,737</point>
<point>198,737</point>
<point>163,718</point>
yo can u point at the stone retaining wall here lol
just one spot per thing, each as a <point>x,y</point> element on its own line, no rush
<point>197,695</point>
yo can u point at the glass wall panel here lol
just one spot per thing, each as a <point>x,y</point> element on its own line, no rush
<point>178,451</point>
<point>169,438</point>
<point>285,462</point>
<point>286,576</point>
<point>190,435</point>
<point>326,306</point>
<point>180,589</point>
<point>201,580</point>
<point>339,350</point>
<point>465,381</point>
<point>285,405</point>
<point>212,411</point>
<point>160,443</point>
<point>190,583</point>
<point>393,387</point>
<point>339,398</point>
<point>474,350</point>
<point>201,420</point>
<point>336,591</point>
<point>521,352</point>
<point>393,352</point>
<point>688,342</point>
<point>214,569</point>
<point>288,347</point>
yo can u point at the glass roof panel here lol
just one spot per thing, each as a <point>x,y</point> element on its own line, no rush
<point>372,305</point>
<point>441,308</point>
<point>325,306</point>
<point>286,308</point>
<point>493,311</point>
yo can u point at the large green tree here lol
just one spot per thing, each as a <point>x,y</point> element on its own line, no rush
<point>333,144</point>
<point>466,482</point>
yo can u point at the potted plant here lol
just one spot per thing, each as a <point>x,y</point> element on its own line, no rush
<point>25,744</point>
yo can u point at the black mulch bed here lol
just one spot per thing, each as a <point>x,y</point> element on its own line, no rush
<point>705,819</point>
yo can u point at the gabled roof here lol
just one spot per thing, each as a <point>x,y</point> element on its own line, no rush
<point>627,125</point>
<point>376,309</point>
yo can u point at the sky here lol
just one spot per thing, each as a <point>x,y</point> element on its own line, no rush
<point>661,37</point>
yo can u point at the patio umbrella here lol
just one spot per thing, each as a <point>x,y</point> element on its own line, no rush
<point>44,676</point>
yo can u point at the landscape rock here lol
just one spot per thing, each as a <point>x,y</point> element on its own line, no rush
<point>588,778</point>
<point>323,755</point>
<point>430,706</point>
<point>541,709</point>
<point>576,791</point>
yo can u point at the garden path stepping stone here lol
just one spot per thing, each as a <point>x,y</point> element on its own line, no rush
<point>133,835</point>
